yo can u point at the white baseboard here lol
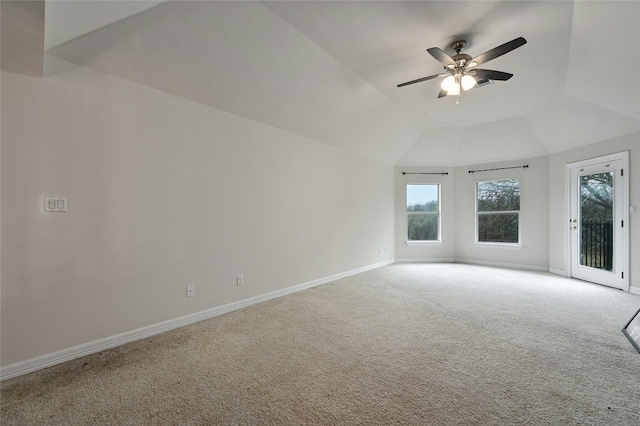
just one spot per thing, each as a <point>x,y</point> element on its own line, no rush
<point>424,260</point>
<point>558,272</point>
<point>634,290</point>
<point>58,357</point>
<point>473,262</point>
<point>502,265</point>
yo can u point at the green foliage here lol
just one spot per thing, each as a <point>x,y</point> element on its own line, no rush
<point>423,227</point>
<point>503,195</point>
<point>431,206</point>
<point>498,228</point>
<point>498,196</point>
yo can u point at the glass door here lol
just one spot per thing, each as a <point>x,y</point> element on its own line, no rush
<point>598,243</point>
<point>596,220</point>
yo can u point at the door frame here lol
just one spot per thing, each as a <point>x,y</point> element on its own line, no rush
<point>624,156</point>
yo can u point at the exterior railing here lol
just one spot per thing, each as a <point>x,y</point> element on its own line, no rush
<point>597,244</point>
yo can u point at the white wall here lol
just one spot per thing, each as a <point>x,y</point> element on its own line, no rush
<point>163,192</point>
<point>458,215</point>
<point>445,251</point>
<point>543,216</point>
<point>534,216</point>
<point>558,212</point>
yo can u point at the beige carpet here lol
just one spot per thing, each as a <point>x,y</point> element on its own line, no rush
<point>411,344</point>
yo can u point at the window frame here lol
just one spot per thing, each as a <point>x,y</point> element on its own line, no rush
<point>438,213</point>
<point>498,244</point>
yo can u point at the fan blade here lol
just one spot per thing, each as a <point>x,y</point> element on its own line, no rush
<point>442,93</point>
<point>441,56</point>
<point>498,51</point>
<point>491,75</point>
<point>420,80</point>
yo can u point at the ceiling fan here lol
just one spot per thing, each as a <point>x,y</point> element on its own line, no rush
<point>460,69</point>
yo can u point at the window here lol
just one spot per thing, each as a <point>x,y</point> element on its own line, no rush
<point>498,211</point>
<point>423,212</point>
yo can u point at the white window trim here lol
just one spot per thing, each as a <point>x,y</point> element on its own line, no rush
<point>503,246</point>
<point>423,243</point>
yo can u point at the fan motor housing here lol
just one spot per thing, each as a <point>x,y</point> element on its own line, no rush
<point>460,56</point>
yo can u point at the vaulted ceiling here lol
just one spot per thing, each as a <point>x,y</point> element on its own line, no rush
<point>329,70</point>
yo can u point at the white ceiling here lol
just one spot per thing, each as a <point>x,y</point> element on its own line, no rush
<point>328,70</point>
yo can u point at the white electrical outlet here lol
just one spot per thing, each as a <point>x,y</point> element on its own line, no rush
<point>55,204</point>
<point>191,290</point>
<point>239,280</point>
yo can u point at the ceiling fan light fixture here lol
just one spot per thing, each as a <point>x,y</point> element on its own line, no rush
<point>468,82</point>
<point>448,83</point>
<point>460,69</point>
<point>454,90</point>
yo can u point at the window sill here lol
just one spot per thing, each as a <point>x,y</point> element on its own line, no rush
<point>423,243</point>
<point>503,246</point>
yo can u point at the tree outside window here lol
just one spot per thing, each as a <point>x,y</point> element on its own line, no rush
<point>423,212</point>
<point>498,211</point>
<point>596,217</point>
